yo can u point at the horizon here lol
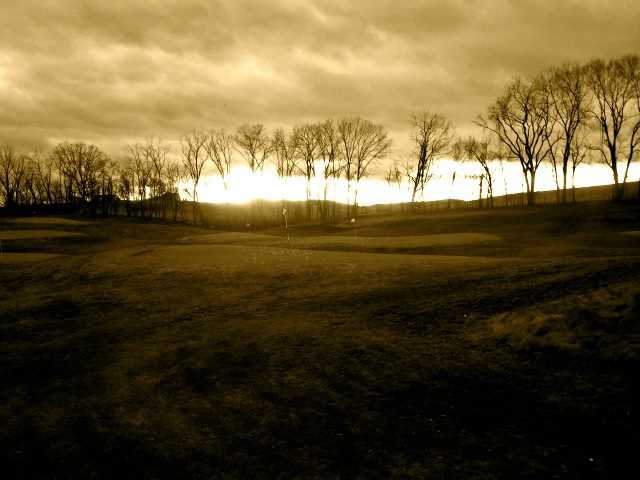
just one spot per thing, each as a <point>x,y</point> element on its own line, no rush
<point>243,187</point>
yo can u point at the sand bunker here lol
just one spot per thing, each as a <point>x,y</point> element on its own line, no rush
<point>31,234</point>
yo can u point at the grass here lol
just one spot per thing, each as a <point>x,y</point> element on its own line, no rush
<point>12,258</point>
<point>28,234</point>
<point>165,351</point>
<point>49,221</point>
<point>350,241</point>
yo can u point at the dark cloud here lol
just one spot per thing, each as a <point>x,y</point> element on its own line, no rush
<point>115,71</point>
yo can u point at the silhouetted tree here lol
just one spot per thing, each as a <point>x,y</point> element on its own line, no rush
<point>307,149</point>
<point>616,110</point>
<point>579,153</point>
<point>253,143</point>
<point>284,148</point>
<point>47,183</point>
<point>81,164</point>
<point>363,143</point>
<point>393,176</point>
<point>155,153</point>
<point>521,121</point>
<point>566,90</point>
<point>219,148</point>
<point>141,169</point>
<point>193,162</point>
<point>31,192</point>
<point>431,133</point>
<point>479,151</point>
<point>329,153</point>
<point>126,185</point>
<point>173,176</point>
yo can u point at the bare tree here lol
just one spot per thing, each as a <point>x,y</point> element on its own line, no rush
<point>254,145</point>
<point>108,178</point>
<point>520,119</point>
<point>616,111</point>
<point>393,176</point>
<point>307,150</point>
<point>126,185</point>
<point>46,177</point>
<point>347,130</point>
<point>478,151</point>
<point>174,174</point>
<point>579,154</point>
<point>81,164</point>
<point>285,149</point>
<point>363,143</point>
<point>155,157</point>
<point>219,148</point>
<point>38,178</point>
<point>329,153</point>
<point>141,169</point>
<point>553,139</point>
<point>566,90</point>
<point>29,187</point>
<point>635,82</point>
<point>431,133</point>
<point>193,161</point>
<point>373,146</point>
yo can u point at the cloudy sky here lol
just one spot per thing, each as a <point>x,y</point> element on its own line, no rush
<point>112,72</point>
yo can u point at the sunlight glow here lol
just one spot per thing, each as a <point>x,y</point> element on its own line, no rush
<point>242,186</point>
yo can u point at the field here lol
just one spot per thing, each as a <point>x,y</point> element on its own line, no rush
<point>461,344</point>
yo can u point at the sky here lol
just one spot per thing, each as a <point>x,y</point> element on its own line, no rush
<point>114,72</point>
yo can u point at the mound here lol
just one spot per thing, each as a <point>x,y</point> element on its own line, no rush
<point>606,320</point>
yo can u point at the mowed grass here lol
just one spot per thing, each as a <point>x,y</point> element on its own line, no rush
<point>350,242</point>
<point>457,345</point>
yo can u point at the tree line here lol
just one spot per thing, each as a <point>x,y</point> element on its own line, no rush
<point>148,180</point>
<point>564,116</point>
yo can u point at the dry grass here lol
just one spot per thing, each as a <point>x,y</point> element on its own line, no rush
<point>607,317</point>
<point>35,234</point>
<point>11,258</point>
<point>142,354</point>
<point>347,242</point>
<point>49,221</point>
